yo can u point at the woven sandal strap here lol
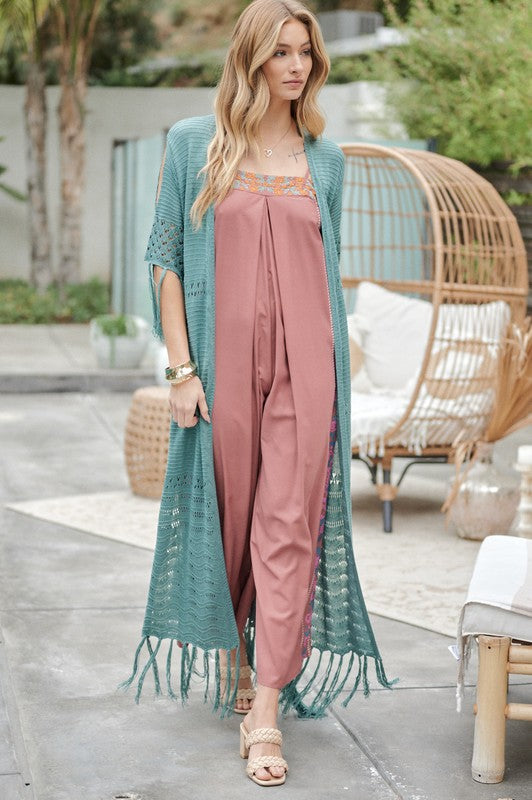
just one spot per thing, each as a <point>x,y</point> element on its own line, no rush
<point>265,761</point>
<point>271,735</point>
<point>245,694</point>
<point>245,671</point>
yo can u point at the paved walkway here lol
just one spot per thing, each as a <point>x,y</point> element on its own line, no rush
<point>48,358</point>
<point>71,607</point>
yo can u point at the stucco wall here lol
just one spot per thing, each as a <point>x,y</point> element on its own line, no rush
<point>124,113</point>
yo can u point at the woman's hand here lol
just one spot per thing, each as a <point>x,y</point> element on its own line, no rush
<point>184,397</point>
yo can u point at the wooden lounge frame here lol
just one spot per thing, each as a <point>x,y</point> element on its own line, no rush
<point>428,226</point>
<point>498,657</point>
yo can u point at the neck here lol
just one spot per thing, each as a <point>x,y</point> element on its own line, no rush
<point>276,119</point>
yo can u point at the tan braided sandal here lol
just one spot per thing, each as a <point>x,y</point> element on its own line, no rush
<point>271,736</point>
<point>241,694</point>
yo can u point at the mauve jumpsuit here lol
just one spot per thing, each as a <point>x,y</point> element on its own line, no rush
<point>272,409</point>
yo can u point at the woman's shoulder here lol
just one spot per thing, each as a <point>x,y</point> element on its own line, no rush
<point>327,152</point>
<point>192,131</point>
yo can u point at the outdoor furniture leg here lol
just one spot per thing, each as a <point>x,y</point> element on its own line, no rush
<point>487,765</point>
<point>387,505</point>
<point>387,494</point>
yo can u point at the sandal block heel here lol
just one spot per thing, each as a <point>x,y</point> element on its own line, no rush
<point>244,751</point>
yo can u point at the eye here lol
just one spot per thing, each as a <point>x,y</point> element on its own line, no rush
<point>280,53</point>
<point>307,52</point>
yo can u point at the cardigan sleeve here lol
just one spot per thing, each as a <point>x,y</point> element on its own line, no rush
<point>165,243</point>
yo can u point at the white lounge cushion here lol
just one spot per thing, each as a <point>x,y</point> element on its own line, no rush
<point>466,347</point>
<point>458,390</point>
<point>357,328</point>
<point>499,598</point>
<point>396,332</point>
<point>374,413</point>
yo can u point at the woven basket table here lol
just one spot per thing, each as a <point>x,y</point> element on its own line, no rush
<point>146,440</point>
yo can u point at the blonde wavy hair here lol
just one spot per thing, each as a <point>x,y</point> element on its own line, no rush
<point>243,96</point>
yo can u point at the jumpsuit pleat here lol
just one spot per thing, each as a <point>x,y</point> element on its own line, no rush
<point>273,405</point>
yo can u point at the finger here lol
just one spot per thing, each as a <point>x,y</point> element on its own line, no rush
<point>204,410</point>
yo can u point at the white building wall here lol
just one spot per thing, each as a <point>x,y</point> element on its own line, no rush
<point>352,111</point>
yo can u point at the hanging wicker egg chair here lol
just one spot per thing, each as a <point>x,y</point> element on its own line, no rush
<point>434,272</point>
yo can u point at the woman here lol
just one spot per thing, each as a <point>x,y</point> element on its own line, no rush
<point>254,563</point>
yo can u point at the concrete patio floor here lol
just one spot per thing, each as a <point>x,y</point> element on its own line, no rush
<point>71,608</point>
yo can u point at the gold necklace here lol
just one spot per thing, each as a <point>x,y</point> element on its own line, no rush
<point>269,150</point>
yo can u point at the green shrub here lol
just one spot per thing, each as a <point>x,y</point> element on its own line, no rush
<point>21,303</point>
<point>463,77</point>
<point>515,198</point>
<point>345,69</point>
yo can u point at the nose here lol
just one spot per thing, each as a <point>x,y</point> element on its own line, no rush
<point>296,64</point>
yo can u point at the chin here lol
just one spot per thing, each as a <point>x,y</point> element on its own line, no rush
<point>291,94</point>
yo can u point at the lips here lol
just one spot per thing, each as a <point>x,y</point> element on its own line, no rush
<point>293,83</point>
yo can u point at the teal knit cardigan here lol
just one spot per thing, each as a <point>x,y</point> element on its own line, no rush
<point>188,600</point>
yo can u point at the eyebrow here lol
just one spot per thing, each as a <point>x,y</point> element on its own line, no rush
<point>281,44</point>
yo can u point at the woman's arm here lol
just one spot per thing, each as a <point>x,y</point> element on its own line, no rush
<point>165,254</point>
<point>186,396</point>
<point>173,316</point>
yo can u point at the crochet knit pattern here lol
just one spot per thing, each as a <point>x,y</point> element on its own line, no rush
<point>188,600</point>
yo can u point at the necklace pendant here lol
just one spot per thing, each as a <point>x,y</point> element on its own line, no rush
<point>268,152</point>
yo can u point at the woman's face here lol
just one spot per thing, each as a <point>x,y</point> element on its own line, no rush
<point>287,71</point>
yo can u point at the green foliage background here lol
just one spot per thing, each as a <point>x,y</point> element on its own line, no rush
<point>19,302</point>
<point>464,77</point>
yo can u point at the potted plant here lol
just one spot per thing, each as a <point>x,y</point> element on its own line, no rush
<point>119,340</point>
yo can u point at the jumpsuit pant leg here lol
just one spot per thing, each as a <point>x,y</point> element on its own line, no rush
<point>270,456</point>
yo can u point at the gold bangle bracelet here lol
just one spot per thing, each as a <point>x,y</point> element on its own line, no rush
<point>181,369</point>
<point>182,379</point>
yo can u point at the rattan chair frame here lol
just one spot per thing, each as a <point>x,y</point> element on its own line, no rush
<point>470,246</point>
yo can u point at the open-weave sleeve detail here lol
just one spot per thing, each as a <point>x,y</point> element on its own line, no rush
<point>166,240</point>
<point>165,245</point>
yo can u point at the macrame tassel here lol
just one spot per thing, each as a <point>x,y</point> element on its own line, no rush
<point>336,674</point>
<point>217,681</point>
<point>171,692</point>
<point>381,675</point>
<point>152,662</point>
<point>188,657</point>
<point>332,683</point>
<point>127,683</point>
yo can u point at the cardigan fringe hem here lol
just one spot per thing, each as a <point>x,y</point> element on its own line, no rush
<point>338,669</point>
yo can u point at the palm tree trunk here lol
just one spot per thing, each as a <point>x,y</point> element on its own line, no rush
<point>71,112</point>
<point>35,121</point>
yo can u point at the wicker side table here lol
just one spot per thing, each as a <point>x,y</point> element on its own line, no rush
<point>146,440</point>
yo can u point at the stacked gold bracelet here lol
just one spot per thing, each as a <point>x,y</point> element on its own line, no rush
<point>181,373</point>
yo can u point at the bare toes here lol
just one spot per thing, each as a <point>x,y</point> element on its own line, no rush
<point>262,774</point>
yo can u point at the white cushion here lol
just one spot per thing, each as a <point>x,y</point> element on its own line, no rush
<point>499,598</point>
<point>396,334</point>
<point>357,328</point>
<point>469,366</point>
<point>372,414</point>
